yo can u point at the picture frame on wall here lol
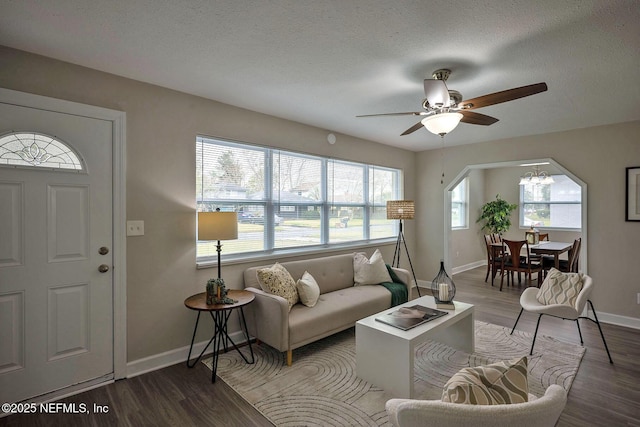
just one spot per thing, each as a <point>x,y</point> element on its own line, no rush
<point>632,208</point>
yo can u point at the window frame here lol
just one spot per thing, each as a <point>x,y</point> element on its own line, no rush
<point>464,205</point>
<point>326,204</point>
<point>522,207</point>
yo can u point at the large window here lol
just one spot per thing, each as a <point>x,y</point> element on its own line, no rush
<point>459,206</point>
<point>556,205</point>
<point>288,200</point>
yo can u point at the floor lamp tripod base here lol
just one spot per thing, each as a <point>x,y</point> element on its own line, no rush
<point>400,243</point>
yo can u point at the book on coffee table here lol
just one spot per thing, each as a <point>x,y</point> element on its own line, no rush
<point>409,317</point>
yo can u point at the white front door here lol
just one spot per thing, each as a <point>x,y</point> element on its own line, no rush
<point>56,252</point>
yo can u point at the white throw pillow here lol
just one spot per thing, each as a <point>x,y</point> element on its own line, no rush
<point>308,290</point>
<point>370,271</point>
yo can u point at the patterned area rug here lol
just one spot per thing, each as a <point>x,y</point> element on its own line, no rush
<point>321,388</point>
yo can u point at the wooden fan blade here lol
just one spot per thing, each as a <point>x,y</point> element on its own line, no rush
<point>474,118</point>
<point>410,113</point>
<point>413,128</point>
<point>503,96</point>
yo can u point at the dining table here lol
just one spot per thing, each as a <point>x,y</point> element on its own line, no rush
<point>551,248</point>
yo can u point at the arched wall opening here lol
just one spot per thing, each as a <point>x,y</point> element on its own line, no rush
<point>448,245</point>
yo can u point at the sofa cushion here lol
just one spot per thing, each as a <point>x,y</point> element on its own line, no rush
<point>560,288</point>
<point>496,384</point>
<point>308,290</point>
<point>370,271</point>
<point>277,280</point>
<point>336,311</point>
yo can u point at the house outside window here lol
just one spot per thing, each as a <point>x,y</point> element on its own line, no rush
<point>460,206</point>
<point>291,201</point>
<point>551,206</point>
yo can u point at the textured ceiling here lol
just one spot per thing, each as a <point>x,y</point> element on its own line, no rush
<point>323,62</point>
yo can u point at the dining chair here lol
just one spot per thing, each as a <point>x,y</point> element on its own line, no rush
<point>565,265</point>
<point>571,309</point>
<point>494,256</point>
<point>514,261</point>
<point>542,237</point>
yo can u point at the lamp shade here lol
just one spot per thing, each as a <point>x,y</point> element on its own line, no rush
<point>400,209</point>
<point>217,225</point>
<point>443,123</point>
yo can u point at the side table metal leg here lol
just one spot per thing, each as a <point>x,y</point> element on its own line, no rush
<point>218,329</point>
<point>246,334</point>
<point>195,329</point>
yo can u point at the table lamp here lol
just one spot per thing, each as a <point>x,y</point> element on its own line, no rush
<point>217,226</point>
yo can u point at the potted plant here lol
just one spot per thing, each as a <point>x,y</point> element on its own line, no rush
<point>497,215</point>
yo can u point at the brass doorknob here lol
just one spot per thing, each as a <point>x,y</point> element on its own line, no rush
<point>103,268</point>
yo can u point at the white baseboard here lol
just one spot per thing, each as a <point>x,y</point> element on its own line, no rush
<point>616,319</point>
<point>471,266</point>
<point>171,357</point>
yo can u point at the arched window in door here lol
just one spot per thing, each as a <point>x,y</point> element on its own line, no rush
<point>36,150</point>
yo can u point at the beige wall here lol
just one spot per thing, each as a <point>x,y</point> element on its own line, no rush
<point>598,156</point>
<point>161,129</point>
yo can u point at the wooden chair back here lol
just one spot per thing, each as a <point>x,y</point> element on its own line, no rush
<point>512,250</point>
<point>574,255</point>
<point>515,262</point>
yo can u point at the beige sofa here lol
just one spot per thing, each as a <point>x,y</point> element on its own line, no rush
<point>340,305</point>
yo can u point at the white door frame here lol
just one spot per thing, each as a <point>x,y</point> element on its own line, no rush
<point>118,120</point>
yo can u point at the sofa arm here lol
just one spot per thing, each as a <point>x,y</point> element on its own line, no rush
<point>268,319</point>
<point>406,277</point>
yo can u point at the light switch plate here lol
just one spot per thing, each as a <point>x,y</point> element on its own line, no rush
<point>135,228</point>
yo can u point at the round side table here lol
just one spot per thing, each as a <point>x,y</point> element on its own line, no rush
<point>220,314</point>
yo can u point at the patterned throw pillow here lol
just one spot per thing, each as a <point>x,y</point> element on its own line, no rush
<point>496,384</point>
<point>277,280</point>
<point>369,271</point>
<point>308,289</point>
<point>560,288</point>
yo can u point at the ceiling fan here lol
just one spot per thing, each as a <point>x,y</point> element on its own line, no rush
<point>444,108</point>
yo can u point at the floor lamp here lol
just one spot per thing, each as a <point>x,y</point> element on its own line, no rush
<point>401,210</point>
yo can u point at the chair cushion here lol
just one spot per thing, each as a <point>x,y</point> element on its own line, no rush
<point>370,271</point>
<point>277,280</point>
<point>560,288</point>
<point>308,290</point>
<point>496,384</point>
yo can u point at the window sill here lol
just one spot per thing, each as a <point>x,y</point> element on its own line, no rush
<point>282,254</point>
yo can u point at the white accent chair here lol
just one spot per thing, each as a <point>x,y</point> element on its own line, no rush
<point>538,412</point>
<point>530,303</point>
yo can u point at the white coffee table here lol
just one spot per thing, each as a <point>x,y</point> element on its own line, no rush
<point>385,354</point>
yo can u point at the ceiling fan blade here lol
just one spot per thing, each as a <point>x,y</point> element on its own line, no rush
<point>413,128</point>
<point>474,118</point>
<point>436,93</point>
<point>410,113</point>
<point>503,96</point>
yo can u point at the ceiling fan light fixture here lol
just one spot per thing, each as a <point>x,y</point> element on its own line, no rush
<point>443,123</point>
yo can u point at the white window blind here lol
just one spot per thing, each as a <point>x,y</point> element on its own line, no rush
<point>287,200</point>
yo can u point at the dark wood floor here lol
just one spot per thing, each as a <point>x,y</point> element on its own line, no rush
<point>602,394</point>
